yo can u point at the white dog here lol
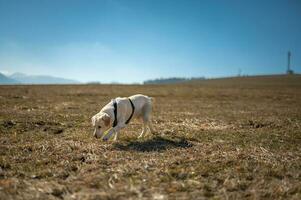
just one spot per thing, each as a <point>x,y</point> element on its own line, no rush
<point>119,112</point>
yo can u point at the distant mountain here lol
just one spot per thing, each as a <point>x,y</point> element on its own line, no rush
<point>40,79</point>
<point>171,80</point>
<point>6,80</point>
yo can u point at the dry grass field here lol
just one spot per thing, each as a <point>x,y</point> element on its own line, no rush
<point>236,138</point>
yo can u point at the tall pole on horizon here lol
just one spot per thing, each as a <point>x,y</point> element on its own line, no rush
<point>288,61</point>
<point>289,71</point>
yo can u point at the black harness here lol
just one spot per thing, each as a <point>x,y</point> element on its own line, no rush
<point>115,112</point>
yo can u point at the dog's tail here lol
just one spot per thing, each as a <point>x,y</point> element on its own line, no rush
<point>152,100</point>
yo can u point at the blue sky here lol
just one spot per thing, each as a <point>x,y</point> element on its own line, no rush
<point>131,41</point>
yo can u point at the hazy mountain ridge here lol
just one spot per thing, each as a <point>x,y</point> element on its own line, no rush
<point>6,80</point>
<point>20,78</point>
<point>41,79</point>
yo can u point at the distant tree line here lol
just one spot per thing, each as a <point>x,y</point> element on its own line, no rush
<point>171,80</point>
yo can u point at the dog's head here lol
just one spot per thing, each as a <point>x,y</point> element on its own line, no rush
<point>101,123</point>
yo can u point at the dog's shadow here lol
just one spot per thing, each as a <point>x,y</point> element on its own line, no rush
<point>156,143</point>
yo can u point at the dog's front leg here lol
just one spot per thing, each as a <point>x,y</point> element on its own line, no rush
<point>115,136</point>
<point>114,130</point>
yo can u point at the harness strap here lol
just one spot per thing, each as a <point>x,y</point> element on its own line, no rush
<point>115,112</point>
<point>133,110</point>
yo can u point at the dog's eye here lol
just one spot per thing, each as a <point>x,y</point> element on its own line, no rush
<point>99,126</point>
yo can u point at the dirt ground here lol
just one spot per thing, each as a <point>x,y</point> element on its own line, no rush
<point>234,138</point>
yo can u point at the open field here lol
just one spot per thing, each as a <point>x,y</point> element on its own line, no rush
<point>222,139</point>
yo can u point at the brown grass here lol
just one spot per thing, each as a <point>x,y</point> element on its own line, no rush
<point>220,139</point>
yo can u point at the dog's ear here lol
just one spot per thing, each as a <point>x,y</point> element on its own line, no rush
<point>106,118</point>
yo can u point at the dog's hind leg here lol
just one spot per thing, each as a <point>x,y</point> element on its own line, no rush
<point>150,125</point>
<point>146,120</point>
<point>143,131</point>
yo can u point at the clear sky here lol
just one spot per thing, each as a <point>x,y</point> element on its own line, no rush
<point>133,40</point>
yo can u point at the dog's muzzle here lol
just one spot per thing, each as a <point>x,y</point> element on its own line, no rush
<point>95,134</point>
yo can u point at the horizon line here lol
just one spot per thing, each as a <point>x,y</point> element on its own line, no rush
<point>143,83</point>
